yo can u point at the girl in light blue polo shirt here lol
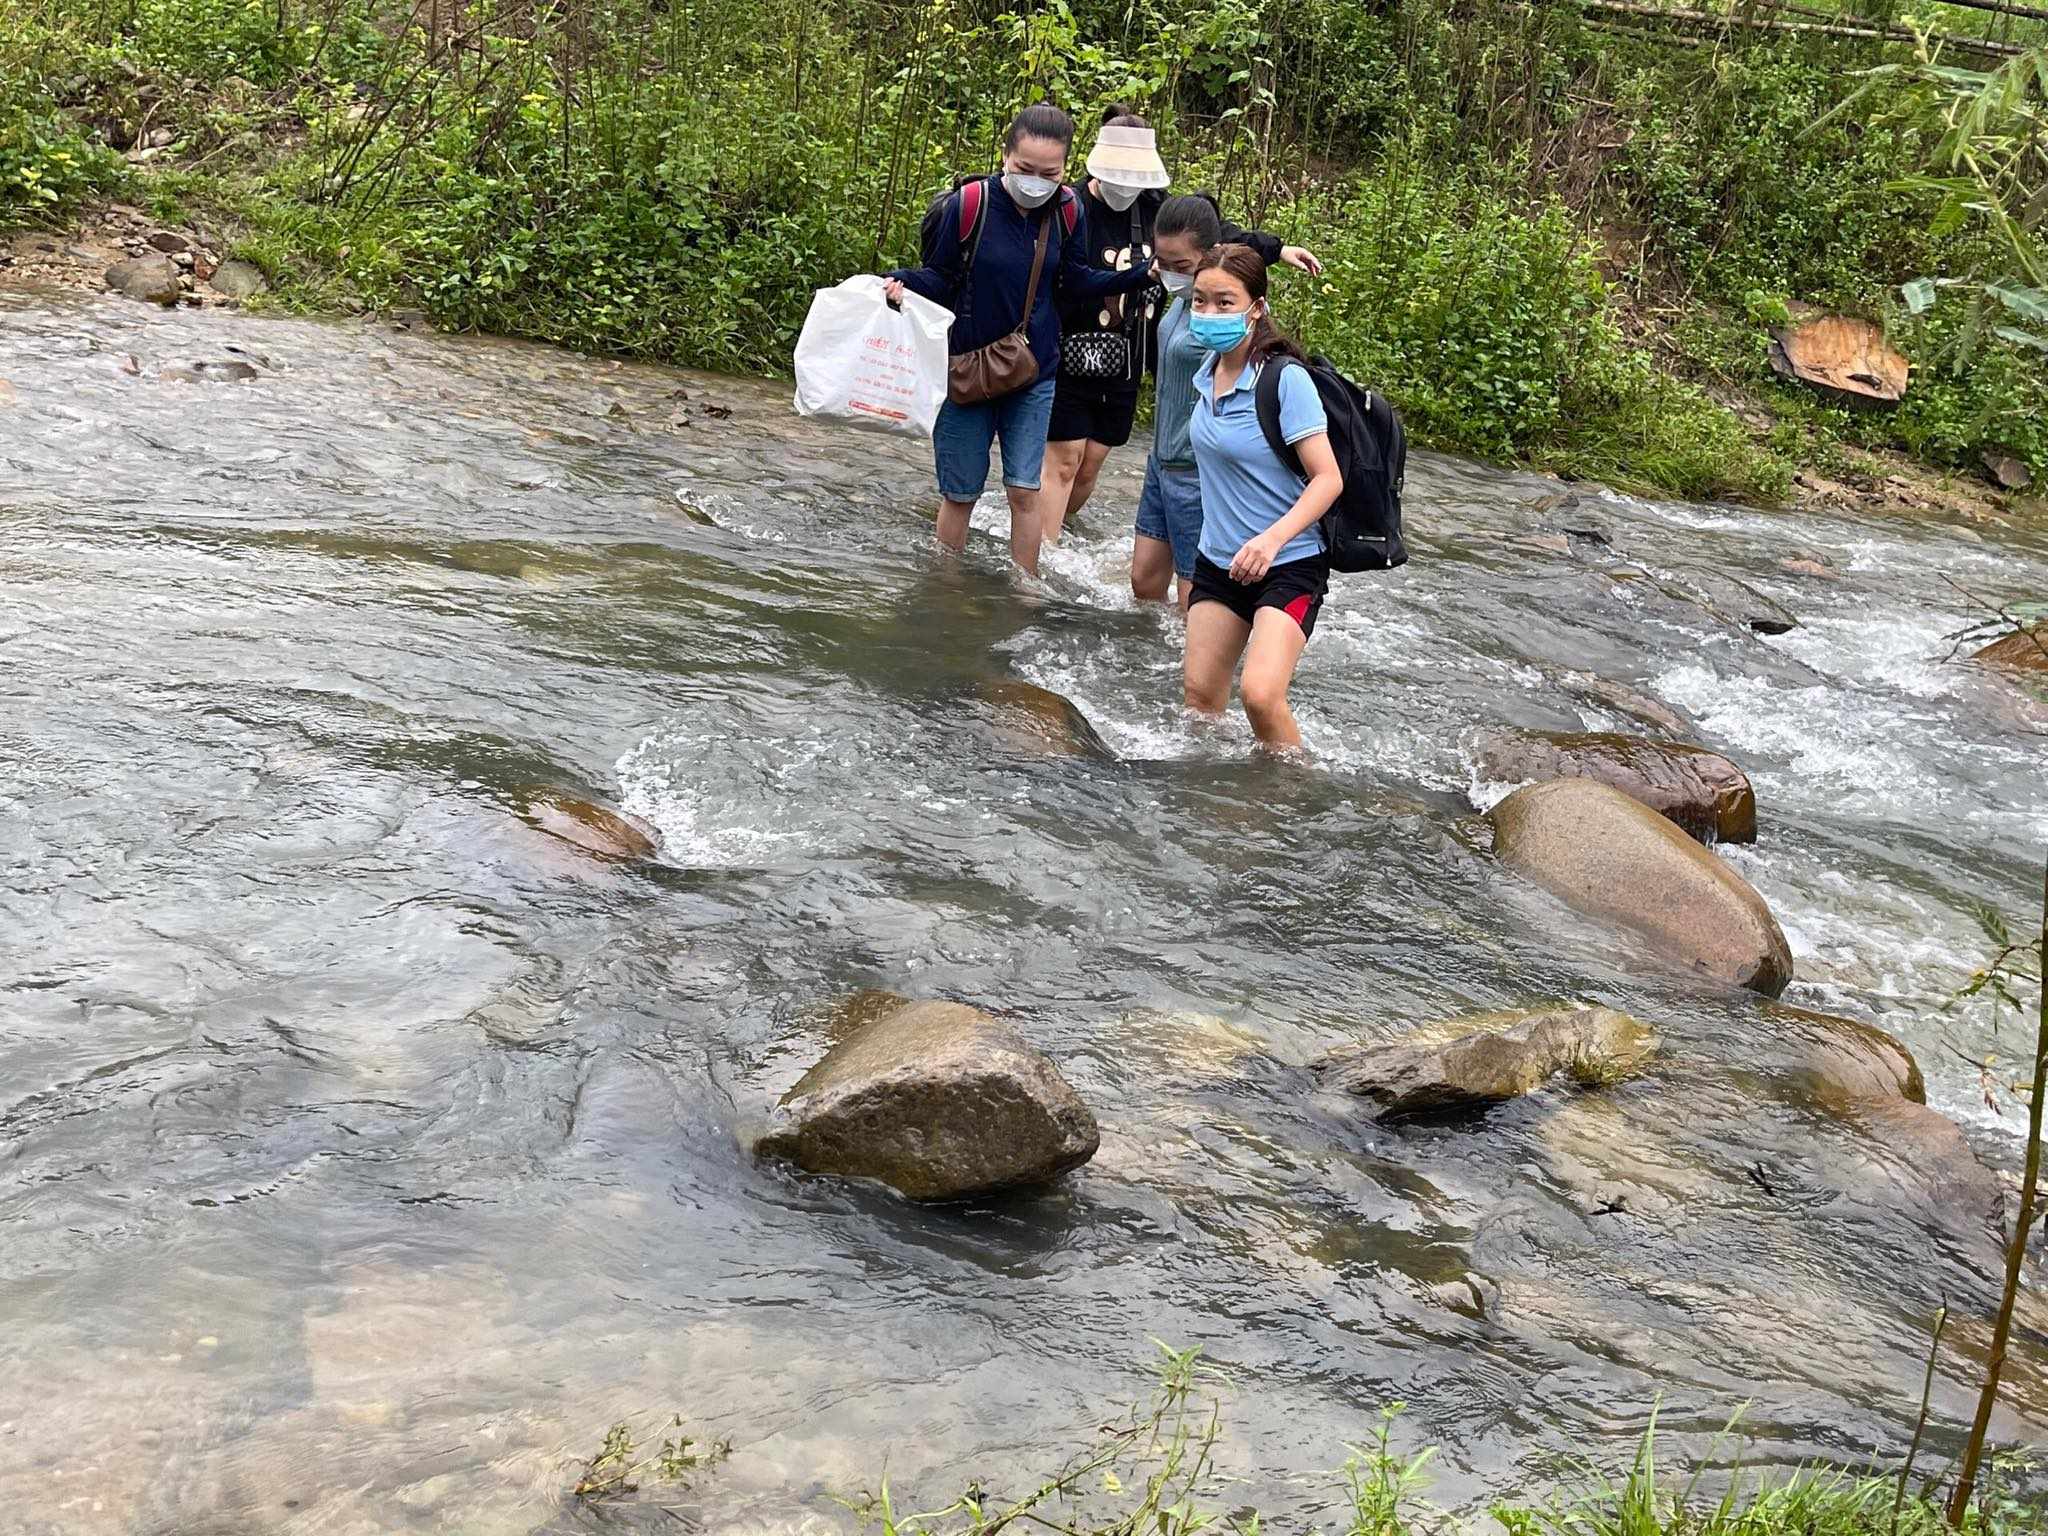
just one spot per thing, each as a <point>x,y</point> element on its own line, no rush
<point>1262,571</point>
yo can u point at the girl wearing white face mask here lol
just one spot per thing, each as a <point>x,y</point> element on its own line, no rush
<point>1007,252</point>
<point>1107,345</point>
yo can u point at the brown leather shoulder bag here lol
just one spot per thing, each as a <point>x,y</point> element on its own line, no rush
<point>1006,364</point>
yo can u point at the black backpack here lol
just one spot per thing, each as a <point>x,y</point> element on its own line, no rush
<point>1363,530</point>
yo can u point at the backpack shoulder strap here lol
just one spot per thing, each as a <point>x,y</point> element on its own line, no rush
<point>972,200</point>
<point>1266,396</point>
<point>1070,210</point>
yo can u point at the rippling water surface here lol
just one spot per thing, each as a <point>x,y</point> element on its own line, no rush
<point>365,1152</point>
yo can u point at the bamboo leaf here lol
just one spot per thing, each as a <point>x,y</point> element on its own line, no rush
<point>1918,294</point>
<point>2013,333</point>
<point>2027,303</point>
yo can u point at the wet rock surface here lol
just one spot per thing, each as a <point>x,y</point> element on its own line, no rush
<point>596,829</point>
<point>1486,1059</point>
<point>1699,791</point>
<point>939,1101</point>
<point>1038,722</point>
<point>1614,858</point>
<point>2025,649</point>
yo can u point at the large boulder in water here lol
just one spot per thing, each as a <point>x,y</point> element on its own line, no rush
<point>2026,649</point>
<point>1700,791</point>
<point>1614,858</point>
<point>1843,1061</point>
<point>937,1099</point>
<point>1488,1058</point>
<point>596,829</point>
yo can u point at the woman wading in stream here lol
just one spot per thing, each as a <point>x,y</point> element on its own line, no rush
<point>1261,570</point>
<point>1005,248</point>
<point>1106,345</point>
<point>1169,531</point>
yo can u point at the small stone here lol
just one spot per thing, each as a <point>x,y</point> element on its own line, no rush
<point>239,280</point>
<point>2006,471</point>
<point>595,829</point>
<point>153,279</point>
<point>1768,626</point>
<point>2026,649</point>
<point>1037,721</point>
<point>169,242</point>
<point>160,138</point>
<point>182,260</point>
<point>1813,568</point>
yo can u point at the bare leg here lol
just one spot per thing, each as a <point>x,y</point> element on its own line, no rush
<point>1216,638</point>
<point>1085,477</point>
<point>1269,663</point>
<point>1056,484</point>
<point>953,517</point>
<point>1025,527</point>
<point>1151,569</point>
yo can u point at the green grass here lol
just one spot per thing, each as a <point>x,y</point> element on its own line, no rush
<point>1154,1473</point>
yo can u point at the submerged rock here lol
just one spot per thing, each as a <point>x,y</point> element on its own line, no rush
<point>595,829</point>
<point>938,1100</point>
<point>1037,720</point>
<point>1614,858</point>
<point>1623,699</point>
<point>1845,1060</point>
<point>1700,791</point>
<point>1488,1058</point>
<point>2026,649</point>
<point>152,279</point>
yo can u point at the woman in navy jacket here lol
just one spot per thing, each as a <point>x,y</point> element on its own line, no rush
<point>983,280</point>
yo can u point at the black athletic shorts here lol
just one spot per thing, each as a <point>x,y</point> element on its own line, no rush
<point>1296,589</point>
<point>1084,408</point>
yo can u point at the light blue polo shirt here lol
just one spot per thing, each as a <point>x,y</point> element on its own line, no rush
<point>1245,487</point>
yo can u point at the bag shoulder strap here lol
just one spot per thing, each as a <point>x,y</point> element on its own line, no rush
<point>1266,396</point>
<point>1070,210</point>
<point>1037,266</point>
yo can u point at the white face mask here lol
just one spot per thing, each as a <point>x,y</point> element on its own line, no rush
<point>1030,191</point>
<point>1177,283</point>
<point>1119,198</point>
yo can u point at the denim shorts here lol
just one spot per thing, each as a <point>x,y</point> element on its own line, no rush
<point>964,434</point>
<point>1170,510</point>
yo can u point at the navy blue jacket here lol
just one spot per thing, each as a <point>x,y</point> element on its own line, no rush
<point>1002,271</point>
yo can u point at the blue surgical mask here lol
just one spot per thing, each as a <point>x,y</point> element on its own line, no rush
<point>1030,191</point>
<point>1220,333</point>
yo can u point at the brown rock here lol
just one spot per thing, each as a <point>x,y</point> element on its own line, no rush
<point>1486,1059</point>
<point>1845,1060</point>
<point>1819,570</point>
<point>1039,721</point>
<point>1843,357</point>
<point>169,242</point>
<point>2026,649</point>
<point>1700,791</point>
<point>595,829</point>
<point>1614,858</point>
<point>939,1101</point>
<point>152,279</point>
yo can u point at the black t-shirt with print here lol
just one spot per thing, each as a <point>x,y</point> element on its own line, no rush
<point>1117,241</point>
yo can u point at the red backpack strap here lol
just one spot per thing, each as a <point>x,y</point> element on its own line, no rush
<point>1070,210</point>
<point>971,195</point>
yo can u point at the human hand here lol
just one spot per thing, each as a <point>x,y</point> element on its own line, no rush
<point>892,290</point>
<point>1254,559</point>
<point>1302,258</point>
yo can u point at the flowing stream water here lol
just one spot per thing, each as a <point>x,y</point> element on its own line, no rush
<point>366,1151</point>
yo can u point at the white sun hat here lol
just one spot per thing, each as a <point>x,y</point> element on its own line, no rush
<point>1128,157</point>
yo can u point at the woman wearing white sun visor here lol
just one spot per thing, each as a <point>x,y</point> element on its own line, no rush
<point>1106,345</point>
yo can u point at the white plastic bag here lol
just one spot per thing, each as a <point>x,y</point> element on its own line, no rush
<point>860,361</point>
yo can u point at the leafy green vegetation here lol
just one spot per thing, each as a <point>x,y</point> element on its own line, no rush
<point>1555,233</point>
<point>1154,1473</point>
